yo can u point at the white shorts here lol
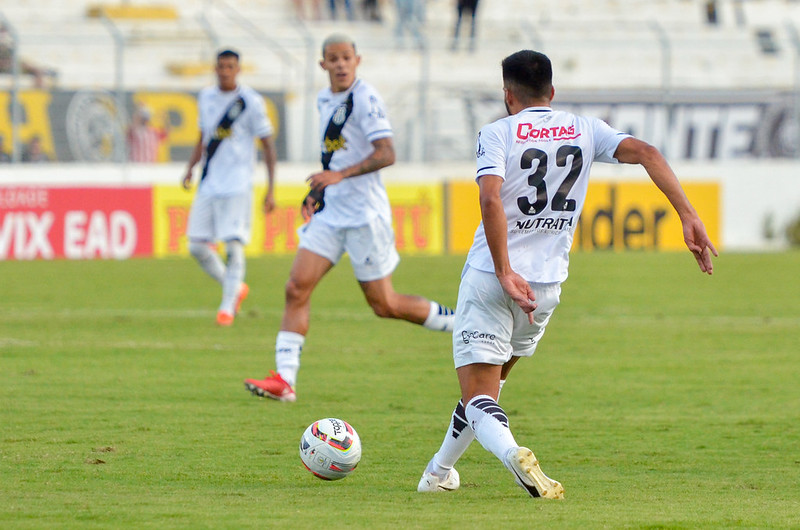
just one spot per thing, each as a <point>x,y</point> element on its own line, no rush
<point>220,218</point>
<point>370,247</point>
<point>490,327</point>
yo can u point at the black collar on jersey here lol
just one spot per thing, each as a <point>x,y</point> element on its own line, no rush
<point>538,109</point>
<point>223,130</point>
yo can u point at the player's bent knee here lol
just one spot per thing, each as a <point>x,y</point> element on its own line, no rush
<point>235,251</point>
<point>297,291</point>
<point>199,249</point>
<point>383,309</point>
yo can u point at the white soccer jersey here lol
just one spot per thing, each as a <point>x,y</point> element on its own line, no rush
<point>544,157</point>
<point>230,170</point>
<point>354,201</point>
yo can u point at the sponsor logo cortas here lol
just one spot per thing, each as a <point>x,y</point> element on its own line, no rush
<point>526,131</point>
<point>477,336</point>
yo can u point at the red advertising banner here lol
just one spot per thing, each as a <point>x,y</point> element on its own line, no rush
<point>75,223</point>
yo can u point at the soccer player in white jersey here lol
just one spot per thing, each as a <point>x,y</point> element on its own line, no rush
<point>232,116</point>
<point>347,211</point>
<point>532,173</point>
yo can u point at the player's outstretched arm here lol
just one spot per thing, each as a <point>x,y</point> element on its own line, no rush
<point>495,225</point>
<point>634,151</point>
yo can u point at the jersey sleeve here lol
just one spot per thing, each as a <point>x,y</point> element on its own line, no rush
<point>260,126</point>
<point>370,113</point>
<point>490,151</point>
<point>606,141</point>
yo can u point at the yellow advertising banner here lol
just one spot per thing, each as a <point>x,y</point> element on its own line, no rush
<point>637,216</point>
<point>274,233</point>
<point>463,215</point>
<point>417,211</point>
<point>170,216</point>
<point>418,217</point>
<point>616,216</point>
<point>181,130</point>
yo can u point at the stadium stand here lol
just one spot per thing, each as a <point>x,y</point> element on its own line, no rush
<point>633,45</point>
<point>595,43</point>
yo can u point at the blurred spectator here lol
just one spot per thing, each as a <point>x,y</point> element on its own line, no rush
<point>372,11</point>
<point>25,67</point>
<point>462,6</point>
<point>410,18</point>
<point>300,9</point>
<point>144,138</point>
<point>738,10</point>
<point>4,157</point>
<point>348,8</point>
<point>33,152</point>
<point>711,12</point>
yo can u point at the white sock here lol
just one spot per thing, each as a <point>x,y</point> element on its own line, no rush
<point>440,318</point>
<point>456,441</point>
<point>490,423</point>
<point>234,275</point>
<point>288,346</point>
<point>208,259</point>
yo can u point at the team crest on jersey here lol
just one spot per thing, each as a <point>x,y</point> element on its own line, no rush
<point>339,115</point>
<point>236,110</point>
<point>375,110</point>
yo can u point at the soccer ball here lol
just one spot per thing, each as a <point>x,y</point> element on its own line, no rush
<point>330,448</point>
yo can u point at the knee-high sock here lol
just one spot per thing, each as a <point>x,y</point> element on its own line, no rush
<point>457,439</point>
<point>490,423</point>
<point>234,276</point>
<point>288,346</point>
<point>208,259</point>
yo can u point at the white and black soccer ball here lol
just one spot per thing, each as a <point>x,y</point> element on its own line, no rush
<point>330,448</point>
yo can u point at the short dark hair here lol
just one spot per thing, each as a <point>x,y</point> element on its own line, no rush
<point>228,53</point>
<point>528,74</point>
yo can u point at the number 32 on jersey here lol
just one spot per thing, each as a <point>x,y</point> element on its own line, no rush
<point>567,156</point>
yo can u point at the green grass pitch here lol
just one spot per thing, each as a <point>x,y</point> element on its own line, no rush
<point>659,397</point>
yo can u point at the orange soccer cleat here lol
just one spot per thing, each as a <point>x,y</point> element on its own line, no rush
<point>273,387</point>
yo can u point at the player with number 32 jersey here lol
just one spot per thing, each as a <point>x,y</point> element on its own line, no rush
<point>544,157</point>
<point>532,174</point>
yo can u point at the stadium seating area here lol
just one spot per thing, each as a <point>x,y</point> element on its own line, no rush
<point>594,43</point>
<point>638,46</point>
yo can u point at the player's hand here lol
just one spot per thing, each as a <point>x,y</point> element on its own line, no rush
<point>313,203</point>
<point>187,180</point>
<point>520,291</point>
<point>319,181</point>
<point>696,238</point>
<point>269,202</point>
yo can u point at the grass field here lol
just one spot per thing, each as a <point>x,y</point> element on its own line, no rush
<point>660,398</point>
